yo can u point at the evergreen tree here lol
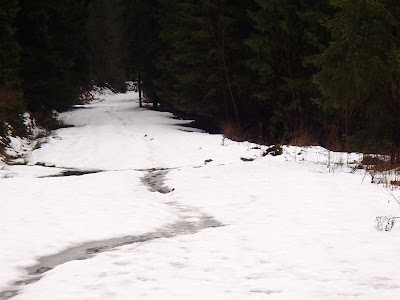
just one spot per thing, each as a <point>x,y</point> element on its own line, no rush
<point>11,105</point>
<point>54,58</point>
<point>106,42</point>
<point>184,63</point>
<point>201,65</point>
<point>359,75</point>
<point>287,32</point>
<point>141,35</point>
<point>9,48</point>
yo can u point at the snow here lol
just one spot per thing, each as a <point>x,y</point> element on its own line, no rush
<point>20,148</point>
<point>296,226</point>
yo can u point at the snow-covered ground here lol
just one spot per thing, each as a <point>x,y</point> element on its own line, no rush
<point>177,214</point>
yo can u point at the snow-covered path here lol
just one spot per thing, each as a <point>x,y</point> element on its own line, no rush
<point>168,212</point>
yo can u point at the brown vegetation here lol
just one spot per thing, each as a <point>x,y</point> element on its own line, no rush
<point>383,170</point>
<point>304,138</point>
<point>235,132</point>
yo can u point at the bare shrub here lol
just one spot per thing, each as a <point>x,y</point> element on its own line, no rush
<point>331,138</point>
<point>11,107</point>
<point>235,132</point>
<point>304,138</point>
<point>383,170</point>
<point>9,98</point>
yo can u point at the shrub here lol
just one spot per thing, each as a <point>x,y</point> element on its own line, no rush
<point>234,131</point>
<point>11,110</point>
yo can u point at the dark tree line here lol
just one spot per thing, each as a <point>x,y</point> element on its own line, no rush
<point>310,70</point>
<point>323,71</point>
<point>11,104</point>
<point>43,57</point>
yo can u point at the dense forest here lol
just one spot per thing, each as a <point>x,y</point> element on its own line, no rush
<point>306,72</point>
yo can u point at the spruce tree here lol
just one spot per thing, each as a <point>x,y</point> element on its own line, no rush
<point>105,43</point>
<point>184,63</point>
<point>202,64</point>
<point>360,69</point>
<point>11,106</point>
<point>142,43</point>
<point>9,48</point>
<point>287,32</point>
<point>54,57</point>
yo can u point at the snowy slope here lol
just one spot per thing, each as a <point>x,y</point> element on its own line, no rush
<point>177,214</point>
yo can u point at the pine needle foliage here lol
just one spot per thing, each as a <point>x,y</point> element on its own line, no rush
<point>287,33</point>
<point>11,104</point>
<point>54,52</point>
<point>202,61</point>
<point>359,76</point>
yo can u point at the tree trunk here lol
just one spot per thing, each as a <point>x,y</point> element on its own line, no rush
<point>140,89</point>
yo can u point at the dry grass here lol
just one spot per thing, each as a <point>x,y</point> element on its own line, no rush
<point>10,99</point>
<point>11,107</point>
<point>304,138</point>
<point>235,132</point>
<point>331,138</point>
<point>383,170</point>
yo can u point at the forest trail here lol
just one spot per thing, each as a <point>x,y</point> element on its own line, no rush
<point>130,204</point>
<point>92,136</point>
